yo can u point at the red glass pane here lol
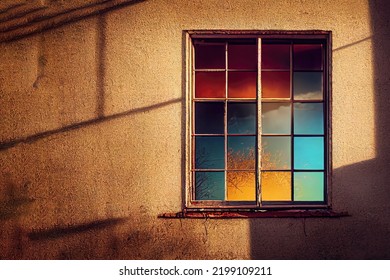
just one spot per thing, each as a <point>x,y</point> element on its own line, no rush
<point>242,57</point>
<point>242,84</point>
<point>210,56</point>
<point>210,84</point>
<point>275,56</point>
<point>275,84</point>
<point>308,57</point>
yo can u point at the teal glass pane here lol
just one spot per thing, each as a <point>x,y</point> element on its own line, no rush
<point>241,152</point>
<point>241,118</point>
<point>307,86</point>
<point>276,118</point>
<point>210,185</point>
<point>308,118</point>
<point>276,152</point>
<point>308,186</point>
<point>309,152</point>
<point>209,152</point>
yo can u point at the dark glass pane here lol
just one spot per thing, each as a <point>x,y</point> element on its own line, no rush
<point>276,118</point>
<point>276,186</point>
<point>276,152</point>
<point>242,56</point>
<point>308,118</point>
<point>241,152</point>
<point>308,57</point>
<point>209,117</point>
<point>209,185</point>
<point>210,84</point>
<point>309,186</point>
<point>308,85</point>
<point>309,152</point>
<point>209,152</point>
<point>275,56</point>
<point>241,185</point>
<point>275,84</point>
<point>242,84</point>
<point>209,56</point>
<point>241,118</point>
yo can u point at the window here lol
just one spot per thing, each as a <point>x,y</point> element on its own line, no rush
<point>258,120</point>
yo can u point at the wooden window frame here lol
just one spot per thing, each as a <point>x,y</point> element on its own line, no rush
<point>315,35</point>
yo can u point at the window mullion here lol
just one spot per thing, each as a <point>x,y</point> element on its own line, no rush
<point>259,122</point>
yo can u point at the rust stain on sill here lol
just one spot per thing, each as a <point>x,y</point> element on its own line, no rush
<point>254,214</point>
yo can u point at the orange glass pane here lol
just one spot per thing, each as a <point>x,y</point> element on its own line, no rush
<point>242,57</point>
<point>210,84</point>
<point>242,84</point>
<point>275,56</point>
<point>275,84</point>
<point>276,186</point>
<point>308,57</point>
<point>241,186</point>
<point>210,56</point>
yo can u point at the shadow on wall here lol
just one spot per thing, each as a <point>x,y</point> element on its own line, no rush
<point>362,189</point>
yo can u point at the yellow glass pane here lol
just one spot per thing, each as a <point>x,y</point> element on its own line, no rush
<point>241,186</point>
<point>276,186</point>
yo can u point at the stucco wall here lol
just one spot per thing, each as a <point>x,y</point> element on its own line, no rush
<point>92,136</point>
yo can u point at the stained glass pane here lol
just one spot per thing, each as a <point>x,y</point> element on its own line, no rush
<point>241,186</point>
<point>210,56</point>
<point>210,84</point>
<point>309,152</point>
<point>242,84</point>
<point>242,56</point>
<point>209,152</point>
<point>308,57</point>
<point>209,185</point>
<point>241,118</point>
<point>308,85</point>
<point>276,186</point>
<point>308,118</point>
<point>275,56</point>
<point>209,117</point>
<point>276,118</point>
<point>309,186</point>
<point>276,152</point>
<point>241,152</point>
<point>275,84</point>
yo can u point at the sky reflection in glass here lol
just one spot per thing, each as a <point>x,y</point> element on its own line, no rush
<point>209,152</point>
<point>308,186</point>
<point>241,186</point>
<point>209,185</point>
<point>241,152</point>
<point>241,118</point>
<point>276,118</point>
<point>309,152</point>
<point>308,118</point>
<point>209,117</point>
<point>276,152</point>
<point>308,85</point>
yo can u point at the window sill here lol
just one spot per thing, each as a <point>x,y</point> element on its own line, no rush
<point>254,214</point>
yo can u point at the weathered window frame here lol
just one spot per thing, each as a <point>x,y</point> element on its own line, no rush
<point>325,36</point>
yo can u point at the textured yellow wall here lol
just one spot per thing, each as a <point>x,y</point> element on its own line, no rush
<point>92,137</point>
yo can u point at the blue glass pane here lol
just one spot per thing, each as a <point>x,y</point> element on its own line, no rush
<point>241,152</point>
<point>276,118</point>
<point>209,117</point>
<point>309,186</point>
<point>309,152</point>
<point>276,152</point>
<point>308,85</point>
<point>209,152</point>
<point>209,185</point>
<point>241,118</point>
<point>308,118</point>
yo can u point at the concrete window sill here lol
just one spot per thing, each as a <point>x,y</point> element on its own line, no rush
<point>254,214</point>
